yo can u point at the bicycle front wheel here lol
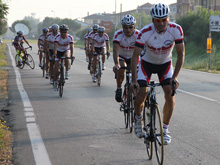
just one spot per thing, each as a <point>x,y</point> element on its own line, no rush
<point>99,74</point>
<point>158,133</point>
<point>125,107</point>
<point>61,89</point>
<point>31,61</point>
<point>130,111</point>
<point>43,67</point>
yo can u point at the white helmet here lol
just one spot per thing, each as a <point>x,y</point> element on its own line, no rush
<point>160,10</point>
<point>89,29</point>
<point>95,27</point>
<point>128,20</point>
<point>20,32</point>
<point>55,27</point>
<point>101,29</point>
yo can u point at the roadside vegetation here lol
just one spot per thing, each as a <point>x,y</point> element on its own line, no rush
<point>5,133</point>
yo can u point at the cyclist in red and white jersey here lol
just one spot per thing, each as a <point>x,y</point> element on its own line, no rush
<point>49,45</point>
<point>63,47</point>
<point>40,44</point>
<point>158,40</point>
<point>89,45</point>
<point>86,43</point>
<point>123,47</point>
<point>100,41</point>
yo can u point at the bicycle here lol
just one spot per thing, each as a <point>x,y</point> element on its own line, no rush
<point>127,105</point>
<point>99,69</point>
<point>20,60</point>
<point>43,67</point>
<point>153,124</point>
<point>61,80</point>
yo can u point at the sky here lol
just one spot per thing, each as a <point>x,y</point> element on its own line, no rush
<point>69,8</point>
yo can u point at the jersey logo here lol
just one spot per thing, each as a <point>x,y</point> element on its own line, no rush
<point>168,42</point>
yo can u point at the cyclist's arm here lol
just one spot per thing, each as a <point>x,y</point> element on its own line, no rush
<point>116,53</point>
<point>180,49</point>
<point>27,42</point>
<point>93,42</point>
<point>46,46</point>
<point>89,39</point>
<point>71,50</point>
<point>108,46</point>
<point>134,61</point>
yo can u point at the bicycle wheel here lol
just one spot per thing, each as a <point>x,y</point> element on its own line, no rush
<point>43,67</point>
<point>60,88</point>
<point>99,74</point>
<point>21,66</point>
<point>125,105</point>
<point>147,141</point>
<point>31,61</point>
<point>158,133</point>
<point>130,111</point>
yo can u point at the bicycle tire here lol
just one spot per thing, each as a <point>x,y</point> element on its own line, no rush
<point>99,74</point>
<point>158,132</point>
<point>31,61</point>
<point>148,143</point>
<point>61,81</point>
<point>16,62</point>
<point>130,111</point>
<point>125,107</point>
<point>61,89</point>
<point>43,67</point>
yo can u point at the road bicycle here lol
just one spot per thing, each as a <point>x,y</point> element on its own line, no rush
<point>127,104</point>
<point>20,60</point>
<point>153,127</point>
<point>61,80</point>
<point>99,69</point>
<point>43,67</point>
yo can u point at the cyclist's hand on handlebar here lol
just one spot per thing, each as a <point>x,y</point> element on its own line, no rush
<point>174,85</point>
<point>116,68</point>
<point>72,59</point>
<point>30,46</point>
<point>134,87</point>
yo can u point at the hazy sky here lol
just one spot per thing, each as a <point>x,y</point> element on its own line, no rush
<point>69,8</point>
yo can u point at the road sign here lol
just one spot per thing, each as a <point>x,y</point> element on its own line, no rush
<point>209,43</point>
<point>107,25</point>
<point>214,23</point>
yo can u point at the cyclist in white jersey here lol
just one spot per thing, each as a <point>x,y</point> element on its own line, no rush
<point>63,46</point>
<point>123,47</point>
<point>40,44</point>
<point>86,43</point>
<point>100,40</point>
<point>89,45</point>
<point>158,40</point>
<point>49,45</point>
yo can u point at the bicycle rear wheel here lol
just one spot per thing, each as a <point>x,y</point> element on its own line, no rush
<point>61,88</point>
<point>125,107</point>
<point>61,81</point>
<point>43,67</point>
<point>147,141</point>
<point>158,133</point>
<point>31,61</point>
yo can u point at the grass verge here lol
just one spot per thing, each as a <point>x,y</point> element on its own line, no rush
<point>5,133</point>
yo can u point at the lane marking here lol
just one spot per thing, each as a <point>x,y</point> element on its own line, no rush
<point>39,150</point>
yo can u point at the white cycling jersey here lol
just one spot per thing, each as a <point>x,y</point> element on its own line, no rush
<point>100,41</point>
<point>63,43</point>
<point>126,44</point>
<point>158,47</point>
<point>41,39</point>
<point>91,35</point>
<point>50,39</point>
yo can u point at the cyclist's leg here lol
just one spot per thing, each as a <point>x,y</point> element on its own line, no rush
<point>103,57</point>
<point>95,59</point>
<point>90,57</point>
<point>67,63</point>
<point>40,56</point>
<point>51,59</point>
<point>47,62</point>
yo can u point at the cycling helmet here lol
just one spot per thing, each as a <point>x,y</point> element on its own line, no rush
<point>128,20</point>
<point>160,10</point>
<point>95,27</point>
<point>20,32</point>
<point>55,27</point>
<point>89,29</point>
<point>45,30</point>
<point>101,29</point>
<point>64,27</point>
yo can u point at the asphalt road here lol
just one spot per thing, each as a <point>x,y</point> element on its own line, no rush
<point>85,127</point>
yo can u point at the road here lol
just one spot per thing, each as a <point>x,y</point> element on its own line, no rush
<point>85,127</point>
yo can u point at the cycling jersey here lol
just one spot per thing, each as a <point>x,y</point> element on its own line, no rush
<point>19,39</point>
<point>63,44</point>
<point>91,35</point>
<point>158,47</point>
<point>100,41</point>
<point>126,44</point>
<point>41,39</point>
<point>86,38</point>
<point>50,39</point>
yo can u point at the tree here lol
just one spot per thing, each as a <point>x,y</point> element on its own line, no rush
<point>142,19</point>
<point>3,13</point>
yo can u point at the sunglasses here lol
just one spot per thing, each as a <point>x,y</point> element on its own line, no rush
<point>63,32</point>
<point>160,20</point>
<point>128,27</point>
<point>100,32</point>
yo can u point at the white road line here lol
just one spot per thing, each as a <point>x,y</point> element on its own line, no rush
<point>39,150</point>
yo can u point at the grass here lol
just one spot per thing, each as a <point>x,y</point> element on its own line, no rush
<point>5,133</point>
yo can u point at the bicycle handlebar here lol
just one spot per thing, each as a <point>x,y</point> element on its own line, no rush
<point>64,58</point>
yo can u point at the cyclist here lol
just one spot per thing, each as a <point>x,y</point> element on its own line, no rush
<point>86,43</point>
<point>63,46</point>
<point>158,40</point>
<point>100,40</point>
<point>123,47</point>
<point>49,45</point>
<point>18,44</point>
<point>40,44</point>
<point>90,36</point>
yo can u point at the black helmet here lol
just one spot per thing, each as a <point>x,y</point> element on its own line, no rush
<point>64,27</point>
